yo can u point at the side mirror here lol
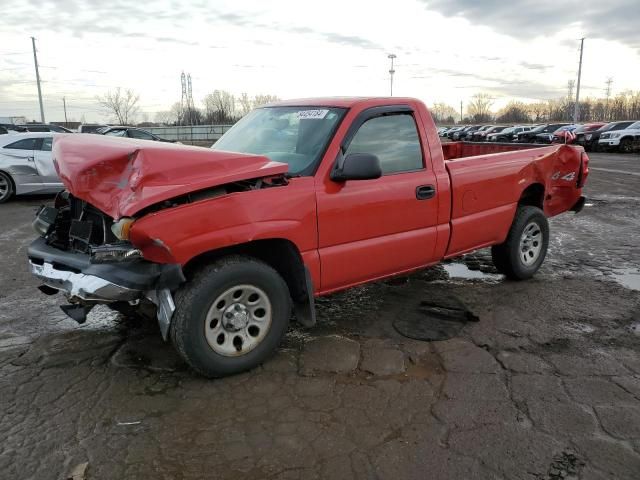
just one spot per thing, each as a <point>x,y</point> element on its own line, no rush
<point>356,166</point>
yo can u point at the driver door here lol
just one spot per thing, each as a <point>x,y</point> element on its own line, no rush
<point>374,228</point>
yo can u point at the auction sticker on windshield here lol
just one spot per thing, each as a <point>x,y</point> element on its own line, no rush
<point>311,114</point>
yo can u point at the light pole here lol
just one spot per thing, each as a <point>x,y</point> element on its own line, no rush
<point>391,56</point>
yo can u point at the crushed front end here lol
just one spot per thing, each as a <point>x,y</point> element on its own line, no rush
<point>79,254</point>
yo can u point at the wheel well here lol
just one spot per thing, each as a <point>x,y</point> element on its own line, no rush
<point>279,253</point>
<point>533,196</point>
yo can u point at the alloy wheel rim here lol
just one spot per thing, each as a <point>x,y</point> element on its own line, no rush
<point>530,244</point>
<point>238,320</point>
<point>4,187</point>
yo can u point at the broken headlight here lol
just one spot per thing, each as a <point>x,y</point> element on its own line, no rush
<point>114,253</point>
<point>121,228</point>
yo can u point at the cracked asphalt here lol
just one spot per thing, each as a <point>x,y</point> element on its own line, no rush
<point>546,385</point>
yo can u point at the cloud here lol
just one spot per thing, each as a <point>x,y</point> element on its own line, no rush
<point>525,19</point>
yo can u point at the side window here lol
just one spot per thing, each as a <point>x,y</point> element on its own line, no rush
<point>46,144</point>
<point>140,134</point>
<point>24,144</point>
<point>393,139</point>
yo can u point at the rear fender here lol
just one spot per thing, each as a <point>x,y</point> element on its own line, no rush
<point>568,172</point>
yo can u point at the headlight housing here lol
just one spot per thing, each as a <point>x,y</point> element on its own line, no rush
<point>122,227</point>
<point>615,135</point>
<point>118,252</point>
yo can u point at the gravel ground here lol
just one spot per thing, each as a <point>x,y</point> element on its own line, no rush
<point>545,385</point>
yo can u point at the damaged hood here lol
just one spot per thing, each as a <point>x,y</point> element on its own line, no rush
<point>122,176</point>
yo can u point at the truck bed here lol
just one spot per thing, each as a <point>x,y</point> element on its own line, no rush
<point>455,150</point>
<point>487,181</point>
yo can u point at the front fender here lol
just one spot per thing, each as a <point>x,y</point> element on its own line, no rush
<point>178,234</point>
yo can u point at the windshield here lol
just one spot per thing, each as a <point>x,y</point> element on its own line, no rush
<point>293,135</point>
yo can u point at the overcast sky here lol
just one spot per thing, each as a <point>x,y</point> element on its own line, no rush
<point>447,50</point>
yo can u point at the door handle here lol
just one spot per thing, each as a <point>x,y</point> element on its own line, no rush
<point>424,192</point>
<point>30,159</point>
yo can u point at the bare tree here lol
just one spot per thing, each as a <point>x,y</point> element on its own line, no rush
<point>479,107</point>
<point>122,104</point>
<point>220,107</point>
<point>263,99</point>
<point>514,112</point>
<point>443,113</point>
<point>245,104</point>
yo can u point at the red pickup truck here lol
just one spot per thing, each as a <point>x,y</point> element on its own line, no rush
<point>299,199</point>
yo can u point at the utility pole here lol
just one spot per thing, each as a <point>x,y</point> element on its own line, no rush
<point>570,86</point>
<point>35,61</point>
<point>391,56</point>
<point>461,118</point>
<point>64,103</point>
<point>183,100</point>
<point>576,112</point>
<point>192,108</point>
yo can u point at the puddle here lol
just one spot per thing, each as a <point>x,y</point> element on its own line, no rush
<point>627,277</point>
<point>435,321</point>
<point>460,270</point>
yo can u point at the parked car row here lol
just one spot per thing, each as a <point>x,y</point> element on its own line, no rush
<point>115,131</point>
<point>623,136</point>
<point>26,164</point>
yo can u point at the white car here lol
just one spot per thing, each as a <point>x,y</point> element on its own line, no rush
<point>624,140</point>
<point>26,165</point>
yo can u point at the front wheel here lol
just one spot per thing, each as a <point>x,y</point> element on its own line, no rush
<point>230,316</point>
<point>626,145</point>
<point>525,248</point>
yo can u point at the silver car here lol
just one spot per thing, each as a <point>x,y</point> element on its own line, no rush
<point>26,165</point>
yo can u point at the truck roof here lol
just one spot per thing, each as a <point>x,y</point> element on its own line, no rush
<point>344,102</point>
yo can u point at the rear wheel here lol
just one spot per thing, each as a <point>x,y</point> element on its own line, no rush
<point>525,248</point>
<point>6,187</point>
<point>230,316</point>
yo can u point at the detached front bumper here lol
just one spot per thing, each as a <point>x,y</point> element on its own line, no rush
<point>87,283</point>
<point>80,286</point>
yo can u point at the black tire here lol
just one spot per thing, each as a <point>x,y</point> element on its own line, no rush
<point>6,187</point>
<point>508,256</point>
<point>196,297</point>
<point>626,145</point>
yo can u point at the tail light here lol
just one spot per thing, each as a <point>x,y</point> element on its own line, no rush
<point>584,169</point>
